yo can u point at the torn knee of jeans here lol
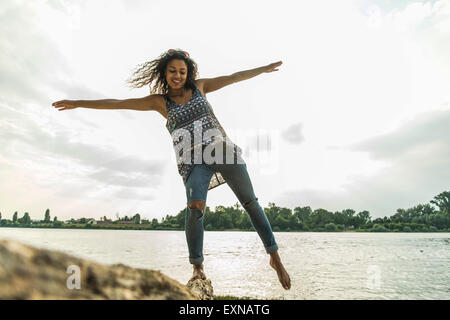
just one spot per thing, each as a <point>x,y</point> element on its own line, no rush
<point>197,205</point>
<point>250,202</point>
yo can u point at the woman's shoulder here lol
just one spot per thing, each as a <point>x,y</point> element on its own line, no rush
<point>160,101</point>
<point>159,97</point>
<point>199,84</point>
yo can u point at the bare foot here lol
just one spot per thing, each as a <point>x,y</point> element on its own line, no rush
<point>283,276</point>
<point>198,272</point>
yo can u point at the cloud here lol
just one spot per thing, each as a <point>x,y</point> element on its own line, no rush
<point>27,57</point>
<point>294,134</point>
<point>409,15</point>
<point>132,194</point>
<point>109,165</point>
<point>418,168</point>
<point>30,64</point>
<point>425,131</point>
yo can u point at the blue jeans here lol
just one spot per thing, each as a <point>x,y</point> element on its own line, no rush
<point>237,178</point>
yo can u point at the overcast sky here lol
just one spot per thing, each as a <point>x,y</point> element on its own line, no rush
<point>358,116</point>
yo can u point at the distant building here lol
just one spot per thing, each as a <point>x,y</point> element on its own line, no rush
<point>91,221</point>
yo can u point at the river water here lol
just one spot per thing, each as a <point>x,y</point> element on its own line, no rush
<point>321,265</point>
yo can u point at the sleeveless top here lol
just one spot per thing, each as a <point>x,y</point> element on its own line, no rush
<point>195,118</point>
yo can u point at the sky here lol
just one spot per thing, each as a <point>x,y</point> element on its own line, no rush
<point>358,115</point>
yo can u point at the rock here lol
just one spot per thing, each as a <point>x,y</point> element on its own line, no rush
<point>31,273</point>
<point>201,289</point>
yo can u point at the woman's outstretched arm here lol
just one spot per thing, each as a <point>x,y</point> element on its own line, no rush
<point>150,102</point>
<point>213,84</point>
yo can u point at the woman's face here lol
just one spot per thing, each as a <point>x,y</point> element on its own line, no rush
<point>176,73</point>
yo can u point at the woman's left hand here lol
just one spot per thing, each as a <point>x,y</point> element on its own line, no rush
<point>272,67</point>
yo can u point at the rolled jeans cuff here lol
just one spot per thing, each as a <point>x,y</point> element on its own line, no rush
<point>198,260</point>
<point>272,248</point>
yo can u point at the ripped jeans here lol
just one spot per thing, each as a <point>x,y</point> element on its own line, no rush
<point>237,178</point>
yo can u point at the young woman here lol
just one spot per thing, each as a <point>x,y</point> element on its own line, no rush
<point>206,157</point>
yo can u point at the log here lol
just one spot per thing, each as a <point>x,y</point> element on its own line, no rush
<point>31,273</point>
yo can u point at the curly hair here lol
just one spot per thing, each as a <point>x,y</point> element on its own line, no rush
<point>155,71</point>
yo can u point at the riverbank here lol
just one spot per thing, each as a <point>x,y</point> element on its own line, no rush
<point>378,228</point>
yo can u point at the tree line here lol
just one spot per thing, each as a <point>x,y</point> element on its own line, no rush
<point>431,217</point>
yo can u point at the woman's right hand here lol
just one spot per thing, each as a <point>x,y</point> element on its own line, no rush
<point>64,105</point>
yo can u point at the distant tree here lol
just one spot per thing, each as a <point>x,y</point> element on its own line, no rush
<point>281,222</point>
<point>235,212</point>
<point>180,217</point>
<point>440,221</point>
<point>378,221</point>
<point>427,209</point>
<point>407,229</point>
<point>303,217</point>
<point>25,219</point>
<point>348,217</point>
<point>340,218</point>
<point>15,217</point>
<point>401,215</point>
<point>320,217</point>
<point>244,222</point>
<point>294,223</point>
<point>442,201</point>
<point>211,217</point>
<point>271,212</point>
<point>137,218</point>
<point>302,213</point>
<point>379,228</point>
<point>55,219</point>
<point>224,222</point>
<point>58,224</point>
<point>362,218</point>
<point>47,216</point>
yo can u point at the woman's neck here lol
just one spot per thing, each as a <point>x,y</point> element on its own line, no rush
<point>181,92</point>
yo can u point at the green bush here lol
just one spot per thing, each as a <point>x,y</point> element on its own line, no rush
<point>407,229</point>
<point>330,227</point>
<point>379,228</point>
<point>57,224</point>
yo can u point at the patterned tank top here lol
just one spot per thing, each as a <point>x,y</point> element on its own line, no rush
<point>195,118</point>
